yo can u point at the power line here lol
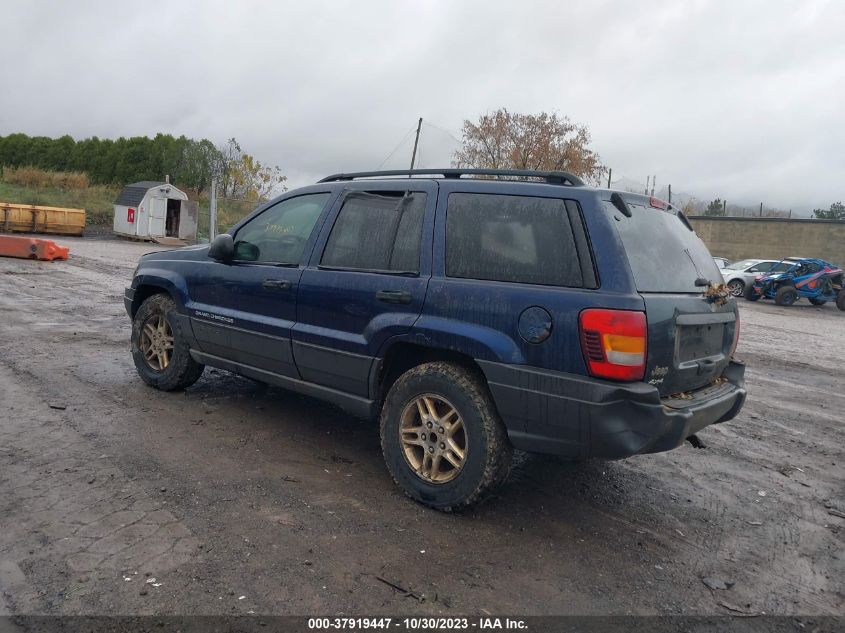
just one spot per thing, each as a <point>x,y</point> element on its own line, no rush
<point>390,155</point>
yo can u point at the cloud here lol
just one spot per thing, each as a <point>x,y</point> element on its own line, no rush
<point>736,100</point>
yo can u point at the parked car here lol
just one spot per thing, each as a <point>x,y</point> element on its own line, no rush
<point>739,274</point>
<point>795,277</point>
<point>471,311</point>
<point>722,262</point>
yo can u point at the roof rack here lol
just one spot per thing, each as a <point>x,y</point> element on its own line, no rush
<point>551,177</point>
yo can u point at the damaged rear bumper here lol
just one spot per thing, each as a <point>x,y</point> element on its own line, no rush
<point>576,416</point>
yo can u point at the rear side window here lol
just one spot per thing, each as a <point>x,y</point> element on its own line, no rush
<point>377,232</point>
<point>664,254</point>
<point>517,239</point>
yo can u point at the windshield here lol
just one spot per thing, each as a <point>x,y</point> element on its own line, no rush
<point>664,254</point>
<point>745,263</point>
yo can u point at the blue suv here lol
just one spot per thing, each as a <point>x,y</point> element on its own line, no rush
<point>472,312</point>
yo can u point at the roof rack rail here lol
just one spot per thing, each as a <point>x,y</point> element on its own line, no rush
<point>551,177</point>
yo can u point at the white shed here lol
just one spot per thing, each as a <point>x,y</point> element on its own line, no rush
<point>156,211</point>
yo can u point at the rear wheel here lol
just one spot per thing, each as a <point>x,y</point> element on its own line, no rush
<point>442,438</point>
<point>786,296</point>
<point>817,302</point>
<point>737,287</point>
<point>750,295</point>
<point>159,348</point>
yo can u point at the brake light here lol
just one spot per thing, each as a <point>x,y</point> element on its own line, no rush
<point>736,336</point>
<point>614,343</point>
<point>657,203</point>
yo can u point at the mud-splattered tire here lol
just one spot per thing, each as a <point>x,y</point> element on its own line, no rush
<point>786,296</point>
<point>817,302</point>
<point>486,449</point>
<point>181,370</point>
<point>840,300</point>
<point>750,295</point>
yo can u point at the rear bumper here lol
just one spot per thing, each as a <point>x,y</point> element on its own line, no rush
<point>576,416</point>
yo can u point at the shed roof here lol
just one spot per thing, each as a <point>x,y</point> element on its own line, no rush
<point>132,194</point>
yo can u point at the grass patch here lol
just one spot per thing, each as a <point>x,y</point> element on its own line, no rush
<point>97,200</point>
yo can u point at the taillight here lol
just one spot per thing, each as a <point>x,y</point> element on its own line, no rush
<point>736,336</point>
<point>614,343</point>
<point>657,203</point>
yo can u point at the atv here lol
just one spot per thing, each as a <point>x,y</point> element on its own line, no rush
<point>814,279</point>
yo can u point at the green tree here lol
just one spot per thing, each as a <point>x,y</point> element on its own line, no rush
<point>545,142</point>
<point>716,207</point>
<point>836,212</point>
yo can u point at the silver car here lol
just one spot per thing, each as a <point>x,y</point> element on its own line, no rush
<point>743,272</point>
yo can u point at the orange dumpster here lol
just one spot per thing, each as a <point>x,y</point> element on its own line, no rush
<point>31,248</point>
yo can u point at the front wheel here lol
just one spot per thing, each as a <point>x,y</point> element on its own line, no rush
<point>751,295</point>
<point>736,287</point>
<point>159,347</point>
<point>786,296</point>
<point>442,438</point>
<point>840,300</point>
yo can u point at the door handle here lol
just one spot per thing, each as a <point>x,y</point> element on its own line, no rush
<point>394,296</point>
<point>276,284</point>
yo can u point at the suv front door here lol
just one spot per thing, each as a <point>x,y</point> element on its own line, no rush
<point>366,281</point>
<point>243,310</point>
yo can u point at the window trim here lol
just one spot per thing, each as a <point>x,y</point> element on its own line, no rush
<point>568,213</point>
<point>315,230</point>
<point>351,193</point>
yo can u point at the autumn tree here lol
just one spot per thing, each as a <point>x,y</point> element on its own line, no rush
<point>242,176</point>
<point>836,212</point>
<point>543,142</point>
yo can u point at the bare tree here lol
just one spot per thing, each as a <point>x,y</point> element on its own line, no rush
<point>545,142</point>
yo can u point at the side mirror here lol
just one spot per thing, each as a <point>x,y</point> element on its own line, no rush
<point>222,248</point>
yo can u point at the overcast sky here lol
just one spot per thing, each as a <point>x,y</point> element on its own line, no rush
<point>742,100</point>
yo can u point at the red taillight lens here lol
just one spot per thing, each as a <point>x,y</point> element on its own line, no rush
<point>736,336</point>
<point>657,203</point>
<point>614,343</point>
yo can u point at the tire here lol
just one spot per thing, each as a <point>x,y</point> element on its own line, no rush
<point>840,300</point>
<point>750,295</point>
<point>487,452</point>
<point>737,287</point>
<point>786,296</point>
<point>180,370</point>
<point>817,302</point>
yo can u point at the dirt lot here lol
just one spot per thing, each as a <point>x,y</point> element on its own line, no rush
<point>239,498</point>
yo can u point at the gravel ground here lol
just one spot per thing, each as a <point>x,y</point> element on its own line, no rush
<point>240,498</point>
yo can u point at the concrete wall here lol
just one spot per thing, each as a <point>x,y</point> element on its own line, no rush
<point>772,238</point>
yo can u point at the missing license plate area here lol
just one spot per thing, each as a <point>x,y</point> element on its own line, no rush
<point>700,341</point>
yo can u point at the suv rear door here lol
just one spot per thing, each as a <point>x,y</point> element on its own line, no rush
<point>366,281</point>
<point>690,338</point>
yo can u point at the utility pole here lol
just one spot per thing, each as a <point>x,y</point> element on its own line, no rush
<point>212,211</point>
<point>670,195</point>
<point>416,142</point>
<point>725,206</point>
<point>653,180</point>
<point>646,185</point>
<point>761,209</point>
<point>609,174</point>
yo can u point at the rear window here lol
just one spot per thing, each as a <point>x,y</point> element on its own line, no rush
<point>377,232</point>
<point>664,254</point>
<point>518,239</point>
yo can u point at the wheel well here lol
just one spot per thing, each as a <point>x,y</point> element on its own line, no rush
<point>142,293</point>
<point>403,356</point>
